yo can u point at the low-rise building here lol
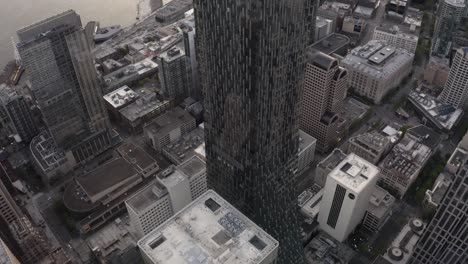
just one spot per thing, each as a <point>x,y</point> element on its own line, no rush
<point>376,68</point>
<point>327,165</point>
<point>120,98</point>
<point>371,146</point>
<point>206,230</point>
<point>354,111</point>
<point>403,245</point>
<point>323,28</point>
<point>111,65</point>
<point>437,71</point>
<point>396,8</point>
<point>184,148</point>
<point>433,197</point>
<point>168,128</point>
<point>48,160</point>
<point>173,11</point>
<point>336,11</point>
<point>306,151</point>
<point>105,33</point>
<point>114,238</point>
<point>401,36</point>
<point>413,17</point>
<point>56,256</point>
<point>99,195</point>
<point>379,209</point>
<point>324,249</point>
<point>130,74</point>
<point>332,44</point>
<point>354,25</point>
<point>403,165</point>
<point>426,136</point>
<point>309,202</point>
<point>173,189</point>
<point>441,115</point>
<point>104,53</point>
<point>147,107</point>
<point>366,8</point>
<point>456,160</point>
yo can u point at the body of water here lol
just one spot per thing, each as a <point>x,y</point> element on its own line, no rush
<point>15,14</point>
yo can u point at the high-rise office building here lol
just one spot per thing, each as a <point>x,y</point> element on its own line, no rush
<point>251,62</point>
<point>311,8</point>
<point>194,90</point>
<point>346,196</point>
<point>9,213</point>
<point>446,237</point>
<point>325,88</point>
<point>56,55</point>
<point>173,73</point>
<point>9,210</point>
<point>455,90</point>
<point>173,189</point>
<point>449,15</point>
<point>15,114</point>
<point>32,241</point>
<point>6,236</point>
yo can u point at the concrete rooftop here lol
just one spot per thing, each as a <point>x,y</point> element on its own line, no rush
<point>209,230</point>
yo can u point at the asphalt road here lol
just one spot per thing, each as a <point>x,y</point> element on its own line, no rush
<point>374,22</point>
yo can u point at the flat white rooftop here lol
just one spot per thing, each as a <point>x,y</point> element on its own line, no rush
<point>209,230</point>
<point>121,97</point>
<point>355,172</point>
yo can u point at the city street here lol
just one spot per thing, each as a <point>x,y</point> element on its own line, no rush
<point>374,22</point>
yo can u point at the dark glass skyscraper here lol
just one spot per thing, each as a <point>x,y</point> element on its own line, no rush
<point>64,83</point>
<point>252,67</point>
<point>445,239</point>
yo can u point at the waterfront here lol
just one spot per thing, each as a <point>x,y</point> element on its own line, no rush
<point>16,14</point>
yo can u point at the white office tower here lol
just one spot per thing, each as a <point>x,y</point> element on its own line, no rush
<point>209,230</point>
<point>173,189</point>
<point>455,91</point>
<point>346,196</point>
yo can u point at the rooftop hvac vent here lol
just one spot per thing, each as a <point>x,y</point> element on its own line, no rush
<point>212,205</point>
<point>416,225</point>
<point>395,254</point>
<point>232,223</point>
<point>221,237</point>
<point>257,243</point>
<point>173,52</point>
<point>157,242</point>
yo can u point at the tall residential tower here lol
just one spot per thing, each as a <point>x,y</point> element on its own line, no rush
<point>455,91</point>
<point>449,15</point>
<point>15,114</point>
<point>252,66</point>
